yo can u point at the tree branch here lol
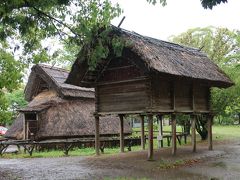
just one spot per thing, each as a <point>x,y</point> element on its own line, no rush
<point>54,19</point>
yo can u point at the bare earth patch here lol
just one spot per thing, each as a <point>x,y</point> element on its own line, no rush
<point>221,163</point>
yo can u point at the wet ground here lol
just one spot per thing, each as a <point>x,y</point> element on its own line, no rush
<point>221,163</point>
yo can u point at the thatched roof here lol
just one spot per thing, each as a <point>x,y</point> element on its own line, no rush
<point>16,129</point>
<point>63,110</point>
<point>64,118</point>
<point>155,56</point>
<point>44,77</point>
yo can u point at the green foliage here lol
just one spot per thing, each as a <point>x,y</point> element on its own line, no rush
<point>226,102</point>
<point>33,22</point>
<point>16,100</point>
<point>10,78</point>
<point>210,3</point>
<point>10,70</point>
<point>207,4</point>
<point>5,115</point>
<point>26,27</point>
<point>10,102</point>
<point>220,44</point>
<point>223,47</point>
<point>162,2</point>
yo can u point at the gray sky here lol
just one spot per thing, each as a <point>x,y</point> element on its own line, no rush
<point>178,16</point>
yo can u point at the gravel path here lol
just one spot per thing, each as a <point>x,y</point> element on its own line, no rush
<point>222,163</point>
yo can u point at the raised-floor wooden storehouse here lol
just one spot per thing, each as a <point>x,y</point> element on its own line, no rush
<point>58,110</point>
<point>151,77</point>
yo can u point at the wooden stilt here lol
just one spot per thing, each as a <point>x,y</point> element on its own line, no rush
<point>97,140</point>
<point>121,133</point>
<point>142,132</point>
<point>193,132</point>
<point>150,137</point>
<point>160,142</point>
<point>210,146</point>
<point>24,129</point>
<point>174,144</point>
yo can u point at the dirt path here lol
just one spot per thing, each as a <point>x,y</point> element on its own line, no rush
<point>222,163</point>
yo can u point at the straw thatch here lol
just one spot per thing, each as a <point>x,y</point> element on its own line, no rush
<point>45,77</point>
<point>16,129</point>
<point>155,56</point>
<point>61,116</point>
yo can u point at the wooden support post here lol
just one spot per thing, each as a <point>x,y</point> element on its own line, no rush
<point>174,144</point>
<point>150,137</point>
<point>193,132</point>
<point>160,134</point>
<point>142,132</point>
<point>24,128</point>
<point>121,133</point>
<point>27,130</point>
<point>209,127</point>
<point>97,140</point>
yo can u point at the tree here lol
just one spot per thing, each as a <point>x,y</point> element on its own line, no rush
<point>226,102</point>
<point>207,4</point>
<point>223,47</point>
<point>10,78</point>
<point>27,25</point>
<point>220,44</point>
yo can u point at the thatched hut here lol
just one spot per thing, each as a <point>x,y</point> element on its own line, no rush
<point>58,110</point>
<point>152,77</point>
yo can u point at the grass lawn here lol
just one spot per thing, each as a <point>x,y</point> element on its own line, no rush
<point>219,133</point>
<point>226,132</point>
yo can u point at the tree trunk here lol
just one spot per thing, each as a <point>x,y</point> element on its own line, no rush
<point>238,118</point>
<point>201,126</point>
<point>187,127</point>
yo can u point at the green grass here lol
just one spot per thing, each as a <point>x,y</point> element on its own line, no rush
<point>226,132</point>
<point>219,133</point>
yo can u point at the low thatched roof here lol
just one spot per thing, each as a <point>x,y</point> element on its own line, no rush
<point>155,56</point>
<point>16,129</point>
<point>64,111</point>
<point>45,77</point>
<point>65,118</point>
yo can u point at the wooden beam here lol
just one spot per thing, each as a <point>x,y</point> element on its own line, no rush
<point>150,137</point>
<point>97,140</point>
<point>193,132</point>
<point>121,133</point>
<point>174,144</point>
<point>193,98</point>
<point>160,123</point>
<point>142,132</point>
<point>24,127</point>
<point>27,130</point>
<point>173,99</point>
<point>209,127</point>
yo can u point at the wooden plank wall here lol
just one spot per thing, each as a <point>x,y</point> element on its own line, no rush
<point>162,98</point>
<point>202,98</point>
<point>125,96</point>
<point>123,87</point>
<point>183,96</point>
<point>179,96</point>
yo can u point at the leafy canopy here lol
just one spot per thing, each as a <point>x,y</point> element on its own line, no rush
<point>207,4</point>
<point>26,27</point>
<point>223,47</point>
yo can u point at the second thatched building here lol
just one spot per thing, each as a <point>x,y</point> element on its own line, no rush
<point>58,110</point>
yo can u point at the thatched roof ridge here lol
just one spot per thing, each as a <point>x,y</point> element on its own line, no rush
<point>54,78</point>
<point>162,57</point>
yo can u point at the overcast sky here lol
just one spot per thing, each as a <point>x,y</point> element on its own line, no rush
<point>178,16</point>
